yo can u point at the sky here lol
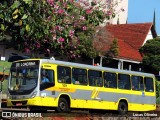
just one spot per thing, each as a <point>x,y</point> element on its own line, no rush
<point>140,11</point>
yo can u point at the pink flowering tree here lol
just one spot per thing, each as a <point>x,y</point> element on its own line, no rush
<point>63,27</point>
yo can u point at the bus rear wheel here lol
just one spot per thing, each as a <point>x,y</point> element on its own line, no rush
<point>122,108</point>
<point>63,105</point>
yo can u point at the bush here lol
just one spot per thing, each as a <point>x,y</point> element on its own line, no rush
<point>158,91</point>
<point>158,100</point>
<point>4,86</point>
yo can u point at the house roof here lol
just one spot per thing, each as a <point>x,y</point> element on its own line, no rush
<point>130,38</point>
<point>127,52</point>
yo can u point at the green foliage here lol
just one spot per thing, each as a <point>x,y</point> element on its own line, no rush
<point>151,47</point>
<point>158,91</point>
<point>151,52</point>
<point>4,86</point>
<point>151,60</point>
<point>5,65</point>
<point>47,26</point>
<point>114,49</point>
<point>158,100</point>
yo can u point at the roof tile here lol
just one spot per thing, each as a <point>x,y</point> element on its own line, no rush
<point>130,38</point>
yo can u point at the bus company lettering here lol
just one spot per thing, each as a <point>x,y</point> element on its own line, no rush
<point>64,89</point>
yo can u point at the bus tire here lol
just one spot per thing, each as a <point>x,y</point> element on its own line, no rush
<point>63,105</point>
<point>122,108</point>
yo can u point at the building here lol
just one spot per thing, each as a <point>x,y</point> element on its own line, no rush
<point>120,7</point>
<point>130,38</point>
<point>121,10</point>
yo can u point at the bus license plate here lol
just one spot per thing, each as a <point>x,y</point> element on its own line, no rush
<point>19,104</point>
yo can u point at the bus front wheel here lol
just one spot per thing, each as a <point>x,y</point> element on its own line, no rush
<point>63,105</point>
<point>122,108</point>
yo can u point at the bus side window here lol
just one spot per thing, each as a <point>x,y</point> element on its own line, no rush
<point>79,76</point>
<point>47,79</point>
<point>50,75</point>
<point>149,87</point>
<point>137,83</point>
<point>64,74</point>
<point>95,78</point>
<point>124,81</point>
<point>110,80</point>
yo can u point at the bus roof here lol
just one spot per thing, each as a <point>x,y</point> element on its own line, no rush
<point>79,65</point>
<point>95,67</point>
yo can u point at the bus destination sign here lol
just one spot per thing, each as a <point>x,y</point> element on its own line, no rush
<point>26,63</point>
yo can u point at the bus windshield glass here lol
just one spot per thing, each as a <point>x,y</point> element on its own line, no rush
<point>23,76</point>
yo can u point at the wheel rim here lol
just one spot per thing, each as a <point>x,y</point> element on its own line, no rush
<point>122,108</point>
<point>62,106</point>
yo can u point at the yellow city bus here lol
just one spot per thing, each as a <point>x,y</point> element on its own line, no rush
<point>78,86</point>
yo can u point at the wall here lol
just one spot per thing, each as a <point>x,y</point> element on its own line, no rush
<point>9,52</point>
<point>149,36</point>
<point>122,15</point>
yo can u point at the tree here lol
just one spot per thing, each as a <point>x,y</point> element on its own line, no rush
<point>64,27</point>
<point>151,55</point>
<point>114,49</point>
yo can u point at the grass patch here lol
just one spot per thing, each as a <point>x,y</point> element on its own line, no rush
<point>4,86</point>
<point>5,65</point>
<point>4,68</point>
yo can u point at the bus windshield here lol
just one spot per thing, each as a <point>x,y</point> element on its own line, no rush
<point>23,78</point>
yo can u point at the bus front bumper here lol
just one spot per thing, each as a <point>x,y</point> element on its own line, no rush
<point>36,101</point>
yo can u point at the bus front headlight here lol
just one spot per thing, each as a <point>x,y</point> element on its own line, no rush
<point>34,94</point>
<point>9,96</point>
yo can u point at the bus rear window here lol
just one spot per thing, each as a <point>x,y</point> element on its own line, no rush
<point>149,87</point>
